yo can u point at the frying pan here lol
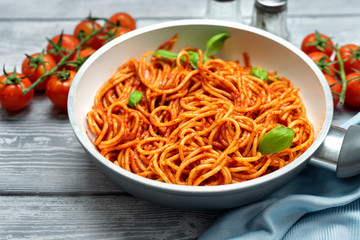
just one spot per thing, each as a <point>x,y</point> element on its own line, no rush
<point>334,148</point>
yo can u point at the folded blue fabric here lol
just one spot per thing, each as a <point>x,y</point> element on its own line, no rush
<point>314,205</point>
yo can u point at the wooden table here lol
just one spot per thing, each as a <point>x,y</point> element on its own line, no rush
<point>48,188</point>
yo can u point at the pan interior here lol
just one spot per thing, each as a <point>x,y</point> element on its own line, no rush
<point>264,49</point>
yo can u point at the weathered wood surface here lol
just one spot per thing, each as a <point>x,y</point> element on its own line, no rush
<point>96,217</point>
<point>48,188</point>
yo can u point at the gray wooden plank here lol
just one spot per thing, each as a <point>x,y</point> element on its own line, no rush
<point>40,153</point>
<point>305,8</point>
<point>156,9</point>
<point>58,9</point>
<point>19,37</point>
<point>96,217</point>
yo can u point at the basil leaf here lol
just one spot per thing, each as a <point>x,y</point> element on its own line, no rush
<point>276,140</point>
<point>166,54</point>
<point>213,46</point>
<point>194,59</point>
<point>215,43</point>
<point>206,58</point>
<point>259,72</point>
<point>134,98</point>
<point>276,77</point>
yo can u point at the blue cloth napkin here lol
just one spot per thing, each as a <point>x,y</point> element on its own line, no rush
<point>314,205</point>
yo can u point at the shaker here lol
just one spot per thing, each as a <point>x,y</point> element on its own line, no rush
<point>229,10</point>
<point>270,15</point>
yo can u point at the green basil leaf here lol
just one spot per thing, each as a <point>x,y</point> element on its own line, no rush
<point>166,54</point>
<point>276,140</point>
<point>259,72</point>
<point>194,59</point>
<point>276,77</point>
<point>134,98</point>
<point>206,58</point>
<point>215,43</point>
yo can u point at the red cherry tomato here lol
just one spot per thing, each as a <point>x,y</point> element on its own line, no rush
<point>350,54</point>
<point>118,31</point>
<point>57,89</point>
<point>123,20</point>
<point>37,67</point>
<point>79,59</point>
<point>323,62</point>
<point>11,96</point>
<point>334,89</point>
<point>352,95</point>
<point>68,42</point>
<point>317,42</point>
<point>115,32</point>
<point>86,52</point>
<point>86,28</point>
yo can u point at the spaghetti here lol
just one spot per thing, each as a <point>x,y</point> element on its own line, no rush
<point>195,126</point>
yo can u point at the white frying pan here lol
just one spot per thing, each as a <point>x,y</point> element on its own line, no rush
<point>334,148</point>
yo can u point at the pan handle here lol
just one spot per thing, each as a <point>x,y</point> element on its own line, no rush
<point>340,151</point>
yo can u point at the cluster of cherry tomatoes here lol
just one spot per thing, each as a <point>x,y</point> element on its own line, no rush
<point>340,65</point>
<point>52,70</point>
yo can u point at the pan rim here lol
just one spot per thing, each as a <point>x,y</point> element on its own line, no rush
<point>203,190</point>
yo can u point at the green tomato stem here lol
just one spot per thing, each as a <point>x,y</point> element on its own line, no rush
<point>61,62</point>
<point>342,75</point>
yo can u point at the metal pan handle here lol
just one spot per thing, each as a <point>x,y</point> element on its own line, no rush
<point>340,151</point>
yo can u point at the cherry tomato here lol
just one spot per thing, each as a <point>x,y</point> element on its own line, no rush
<point>68,42</point>
<point>323,62</point>
<point>78,60</point>
<point>34,69</point>
<point>117,32</point>
<point>334,89</point>
<point>315,42</point>
<point>11,96</point>
<point>350,54</point>
<point>86,28</point>
<point>352,95</point>
<point>86,52</point>
<point>122,19</point>
<point>57,89</point>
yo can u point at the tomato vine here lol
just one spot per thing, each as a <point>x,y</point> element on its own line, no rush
<point>59,58</point>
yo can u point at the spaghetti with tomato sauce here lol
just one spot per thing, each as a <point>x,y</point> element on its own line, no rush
<point>196,126</point>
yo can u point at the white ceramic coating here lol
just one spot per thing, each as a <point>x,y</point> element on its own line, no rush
<point>265,49</point>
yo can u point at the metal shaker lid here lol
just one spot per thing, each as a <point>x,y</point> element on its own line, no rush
<point>271,6</point>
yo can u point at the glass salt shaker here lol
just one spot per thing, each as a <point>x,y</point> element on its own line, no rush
<point>229,10</point>
<point>270,15</point>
